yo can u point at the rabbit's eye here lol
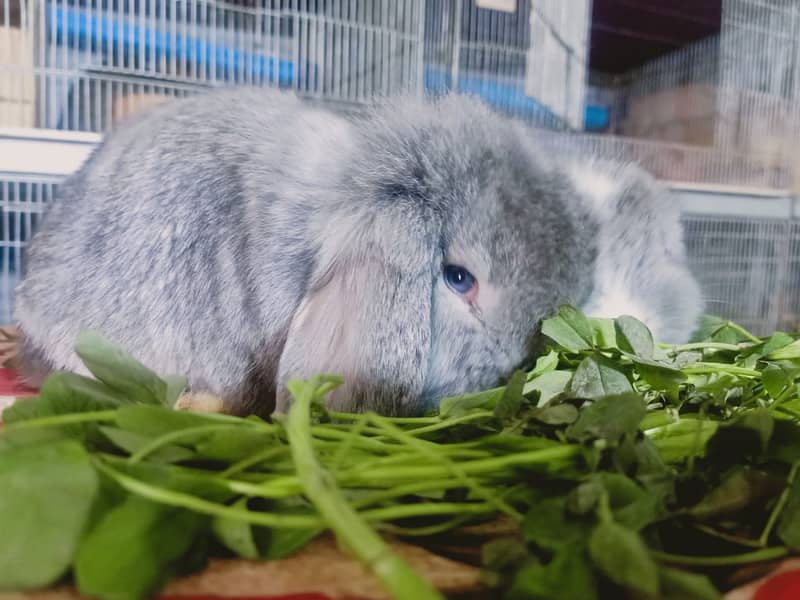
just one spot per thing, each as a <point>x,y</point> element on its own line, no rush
<point>459,279</point>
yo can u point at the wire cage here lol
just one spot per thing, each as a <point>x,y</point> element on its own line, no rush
<point>22,202</point>
<point>83,65</point>
<point>746,269</point>
<point>91,62</point>
<point>737,92</point>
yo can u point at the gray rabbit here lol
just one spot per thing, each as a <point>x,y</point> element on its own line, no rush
<point>245,237</point>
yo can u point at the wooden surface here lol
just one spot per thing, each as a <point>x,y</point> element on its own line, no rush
<point>318,572</point>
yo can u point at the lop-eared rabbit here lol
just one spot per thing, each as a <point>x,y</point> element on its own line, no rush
<point>245,237</point>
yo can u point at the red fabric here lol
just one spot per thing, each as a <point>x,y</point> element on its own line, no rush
<point>11,386</point>
<point>783,586</point>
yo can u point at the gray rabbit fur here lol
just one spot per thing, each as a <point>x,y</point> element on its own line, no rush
<point>245,237</point>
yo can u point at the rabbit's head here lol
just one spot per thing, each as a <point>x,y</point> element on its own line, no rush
<point>449,239</point>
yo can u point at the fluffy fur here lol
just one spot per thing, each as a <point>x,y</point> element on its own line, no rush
<point>641,264</point>
<point>244,238</point>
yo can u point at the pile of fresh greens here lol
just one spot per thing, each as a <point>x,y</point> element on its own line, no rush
<point>624,467</point>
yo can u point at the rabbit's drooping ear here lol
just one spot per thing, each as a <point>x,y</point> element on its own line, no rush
<point>366,316</point>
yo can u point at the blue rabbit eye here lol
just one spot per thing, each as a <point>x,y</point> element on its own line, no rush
<point>459,279</point>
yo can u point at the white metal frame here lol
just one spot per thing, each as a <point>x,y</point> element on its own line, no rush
<point>43,153</point>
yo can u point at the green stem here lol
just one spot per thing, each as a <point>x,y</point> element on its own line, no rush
<point>426,509</point>
<point>171,437</point>
<point>425,531</point>
<point>413,459</point>
<point>288,485</point>
<point>394,573</point>
<point>200,505</point>
<point>280,487</point>
<point>721,561</point>
<point>232,420</point>
<point>447,423</point>
<point>604,509</point>
<point>399,420</point>
<point>476,488</point>
<point>349,442</point>
<point>710,531</point>
<point>253,460</point>
<point>371,432</point>
<point>706,368</point>
<point>407,489</point>
<point>203,506</point>
<point>788,411</point>
<point>705,346</point>
<point>697,442</point>
<point>788,394</point>
<point>96,416</point>
<point>367,443</point>
<point>778,508</point>
<point>657,419</point>
<point>738,328</point>
<point>276,487</point>
<point>491,466</point>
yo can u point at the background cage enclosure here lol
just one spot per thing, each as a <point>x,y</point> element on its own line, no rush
<point>722,112</point>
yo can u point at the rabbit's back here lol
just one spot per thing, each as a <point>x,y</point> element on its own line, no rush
<point>150,242</point>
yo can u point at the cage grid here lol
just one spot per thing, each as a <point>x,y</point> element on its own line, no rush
<point>736,92</point>
<point>86,58</point>
<point>22,202</point>
<point>82,65</point>
<point>75,61</point>
<point>676,162</point>
<point>744,269</point>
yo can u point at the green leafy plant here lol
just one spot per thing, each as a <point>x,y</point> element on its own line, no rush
<point>622,466</point>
